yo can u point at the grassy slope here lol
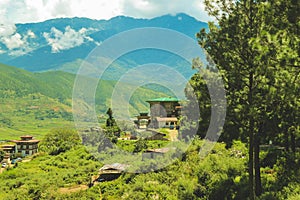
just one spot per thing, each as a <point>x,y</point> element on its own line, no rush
<point>33,103</point>
<point>44,176</point>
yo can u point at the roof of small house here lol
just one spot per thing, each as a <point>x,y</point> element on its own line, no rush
<point>161,150</point>
<point>8,146</point>
<point>26,136</point>
<point>166,119</point>
<point>26,139</point>
<point>144,113</point>
<point>114,166</point>
<point>164,99</point>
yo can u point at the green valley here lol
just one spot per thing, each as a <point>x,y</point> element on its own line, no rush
<point>34,103</point>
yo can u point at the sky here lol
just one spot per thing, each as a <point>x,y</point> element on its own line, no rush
<point>28,11</point>
<point>25,11</point>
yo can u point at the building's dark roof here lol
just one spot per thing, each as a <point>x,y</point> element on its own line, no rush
<point>26,136</point>
<point>144,117</point>
<point>114,166</point>
<point>144,113</point>
<point>164,99</point>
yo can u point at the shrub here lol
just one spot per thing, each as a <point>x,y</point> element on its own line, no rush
<point>60,140</point>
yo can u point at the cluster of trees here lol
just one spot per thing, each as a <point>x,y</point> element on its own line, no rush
<point>5,121</point>
<point>255,48</point>
<point>60,140</point>
<point>52,114</point>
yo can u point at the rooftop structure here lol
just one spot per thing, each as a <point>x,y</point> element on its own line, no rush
<point>142,120</point>
<point>111,171</point>
<point>164,99</point>
<point>164,112</point>
<point>154,153</point>
<point>27,145</point>
<point>8,148</point>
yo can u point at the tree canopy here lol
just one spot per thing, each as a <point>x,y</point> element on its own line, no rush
<point>60,140</point>
<point>255,47</point>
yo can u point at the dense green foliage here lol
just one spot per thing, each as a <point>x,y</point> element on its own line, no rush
<point>257,55</point>
<point>60,140</point>
<point>220,175</point>
<point>44,175</point>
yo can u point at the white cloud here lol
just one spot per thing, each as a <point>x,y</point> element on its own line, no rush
<point>30,34</point>
<point>153,8</point>
<point>71,38</point>
<point>7,29</point>
<point>23,11</point>
<point>2,51</point>
<point>13,42</point>
<point>16,43</point>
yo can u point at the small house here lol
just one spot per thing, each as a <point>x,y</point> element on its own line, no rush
<point>164,112</point>
<point>143,120</point>
<point>111,171</point>
<point>27,145</point>
<point>166,122</point>
<point>9,148</point>
<point>156,135</point>
<point>153,153</point>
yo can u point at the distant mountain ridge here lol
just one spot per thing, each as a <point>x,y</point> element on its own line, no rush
<point>18,83</point>
<point>62,44</point>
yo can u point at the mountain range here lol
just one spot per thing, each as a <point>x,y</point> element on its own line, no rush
<point>64,43</point>
<point>39,62</point>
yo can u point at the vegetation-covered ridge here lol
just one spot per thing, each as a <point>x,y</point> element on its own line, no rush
<point>33,103</point>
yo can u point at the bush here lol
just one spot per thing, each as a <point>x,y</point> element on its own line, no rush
<point>60,140</point>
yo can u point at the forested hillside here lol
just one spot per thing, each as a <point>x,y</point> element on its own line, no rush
<point>36,102</point>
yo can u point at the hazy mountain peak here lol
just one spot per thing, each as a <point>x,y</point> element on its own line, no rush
<point>54,43</point>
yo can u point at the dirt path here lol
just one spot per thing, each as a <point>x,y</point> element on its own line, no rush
<point>72,189</point>
<point>173,135</point>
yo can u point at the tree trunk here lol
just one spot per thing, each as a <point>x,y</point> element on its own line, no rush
<point>258,187</point>
<point>293,142</point>
<point>286,140</point>
<point>251,139</point>
<point>251,161</point>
